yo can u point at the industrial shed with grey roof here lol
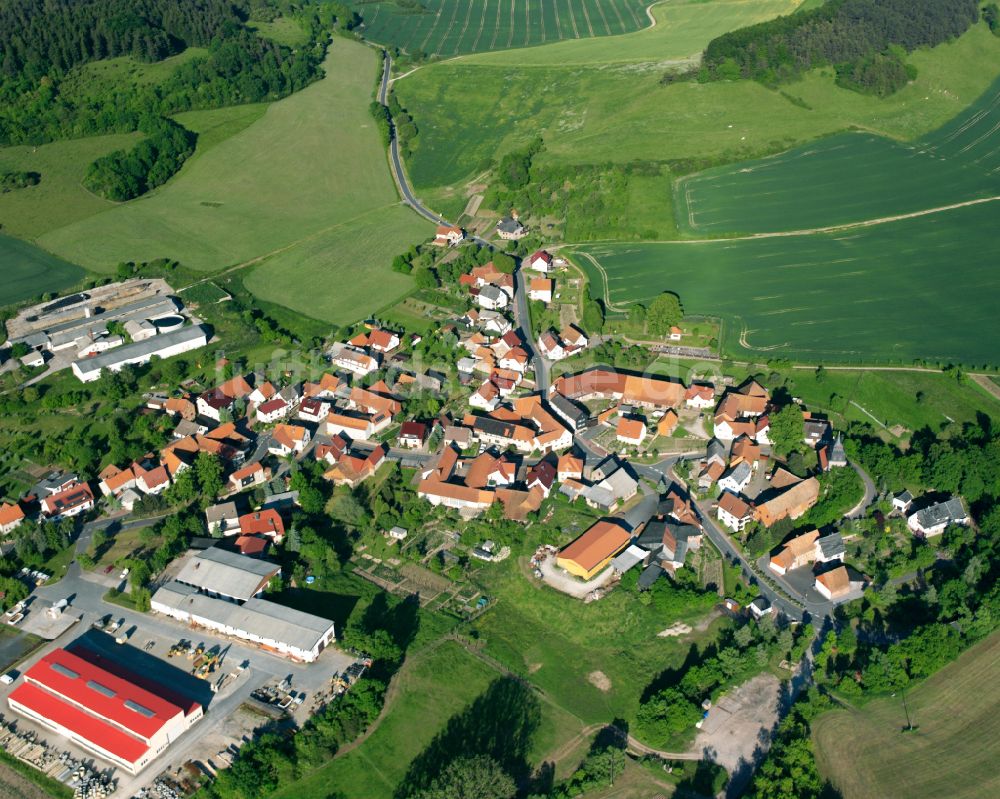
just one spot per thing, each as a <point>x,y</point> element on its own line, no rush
<point>274,627</point>
<point>219,572</point>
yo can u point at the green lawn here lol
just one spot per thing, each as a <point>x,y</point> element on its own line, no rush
<point>59,198</point>
<point>559,642</point>
<point>953,752</point>
<point>616,112</point>
<point>341,274</point>
<point>438,685</point>
<point>283,30</point>
<point>310,165</point>
<point>893,292</point>
<point>449,27</point>
<point>29,272</point>
<point>683,28</point>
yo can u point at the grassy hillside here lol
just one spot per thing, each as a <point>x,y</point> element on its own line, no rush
<point>899,291</point>
<point>683,28</point>
<point>60,198</point>
<point>28,271</point>
<point>309,166</point>
<point>621,112</point>
<point>430,691</point>
<point>449,27</point>
<point>953,752</point>
<point>849,178</point>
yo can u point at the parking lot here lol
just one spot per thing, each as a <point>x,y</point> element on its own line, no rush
<point>236,671</point>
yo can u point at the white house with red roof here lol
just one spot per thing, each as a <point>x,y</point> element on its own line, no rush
<point>541,261</point>
<point>486,397</point>
<point>412,435</point>
<point>313,409</point>
<point>700,396</point>
<point>448,235</point>
<point>251,475</point>
<point>69,502</point>
<point>267,522</point>
<point>272,410</point>
<point>287,439</point>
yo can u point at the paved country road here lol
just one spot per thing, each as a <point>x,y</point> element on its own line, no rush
<point>521,316</point>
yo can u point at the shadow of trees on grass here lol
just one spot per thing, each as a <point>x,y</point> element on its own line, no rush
<point>500,724</point>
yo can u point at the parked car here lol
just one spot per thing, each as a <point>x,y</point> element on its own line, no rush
<point>10,676</point>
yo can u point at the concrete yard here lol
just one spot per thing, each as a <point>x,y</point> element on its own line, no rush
<point>733,726</point>
<point>563,581</point>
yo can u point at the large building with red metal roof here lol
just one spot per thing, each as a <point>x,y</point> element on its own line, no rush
<point>113,714</point>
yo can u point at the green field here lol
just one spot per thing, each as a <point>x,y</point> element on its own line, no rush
<point>450,27</point>
<point>28,271</point>
<point>283,30</point>
<point>351,258</point>
<point>59,198</point>
<point>683,28</point>
<point>620,112</point>
<point>893,292</point>
<point>439,684</point>
<point>849,178</point>
<point>953,752</point>
<point>304,183</point>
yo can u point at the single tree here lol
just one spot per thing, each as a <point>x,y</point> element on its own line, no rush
<point>787,431</point>
<point>664,312</point>
<point>478,777</point>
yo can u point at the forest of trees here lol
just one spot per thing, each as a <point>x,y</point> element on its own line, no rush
<point>124,175</point>
<point>857,36</point>
<point>43,41</point>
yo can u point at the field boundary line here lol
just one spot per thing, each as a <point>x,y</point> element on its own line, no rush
<point>427,38</point>
<point>465,27</point>
<point>496,28</point>
<point>482,24</point>
<point>984,382</point>
<point>885,220</point>
<point>604,19</point>
<point>586,18</point>
<point>572,20</point>
<point>621,20</point>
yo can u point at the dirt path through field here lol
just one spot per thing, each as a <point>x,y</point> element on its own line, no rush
<point>984,381</point>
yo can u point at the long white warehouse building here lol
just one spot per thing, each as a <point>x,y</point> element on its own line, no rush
<point>175,342</point>
<point>276,628</point>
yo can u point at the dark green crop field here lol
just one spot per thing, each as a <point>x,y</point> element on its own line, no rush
<point>850,177</point>
<point>26,271</point>
<point>918,288</point>
<point>452,27</point>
